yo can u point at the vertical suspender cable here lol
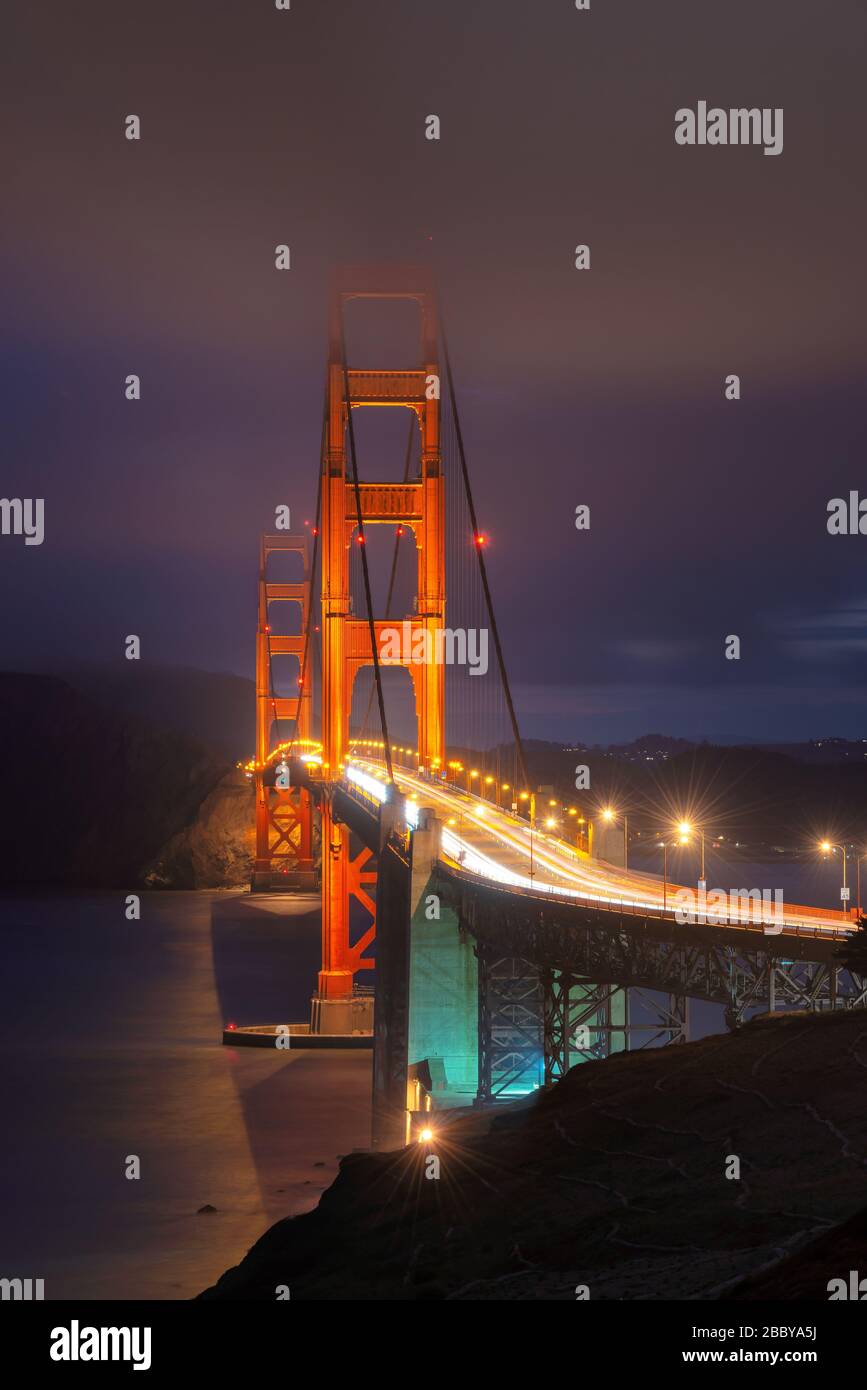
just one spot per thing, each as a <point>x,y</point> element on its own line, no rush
<point>478,548</point>
<point>364,569</point>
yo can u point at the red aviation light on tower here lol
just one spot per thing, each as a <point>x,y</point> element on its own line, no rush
<point>399,531</point>
<point>480,540</point>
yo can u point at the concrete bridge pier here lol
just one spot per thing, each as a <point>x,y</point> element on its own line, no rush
<point>426,989</point>
<point>391,1000</point>
<point>443,979</point>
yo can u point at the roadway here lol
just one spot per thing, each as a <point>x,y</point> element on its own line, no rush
<point>484,839</point>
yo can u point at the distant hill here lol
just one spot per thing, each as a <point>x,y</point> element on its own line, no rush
<point>215,708</point>
<point>777,794</point>
<point>93,792</point>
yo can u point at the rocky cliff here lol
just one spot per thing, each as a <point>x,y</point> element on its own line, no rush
<point>621,1180</point>
<point>216,850</point>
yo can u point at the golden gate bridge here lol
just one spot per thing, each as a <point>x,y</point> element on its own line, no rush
<point>504,952</point>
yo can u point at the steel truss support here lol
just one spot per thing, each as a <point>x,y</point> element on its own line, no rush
<point>584,1021</point>
<point>586,959</point>
<point>510,1026</point>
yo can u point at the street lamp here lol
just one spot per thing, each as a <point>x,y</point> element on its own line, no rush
<point>686,830</point>
<point>827,847</point>
<point>609,816</point>
<point>858,863</point>
<point>665,846</point>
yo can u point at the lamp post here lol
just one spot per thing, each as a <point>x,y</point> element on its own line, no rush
<point>686,830</point>
<point>858,863</point>
<point>665,845</point>
<point>828,847</point>
<point>609,816</point>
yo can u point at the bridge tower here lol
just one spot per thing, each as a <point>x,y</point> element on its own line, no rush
<point>417,505</point>
<point>284,815</point>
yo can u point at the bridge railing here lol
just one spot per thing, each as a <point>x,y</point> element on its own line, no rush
<point>621,907</point>
<point>838,923</point>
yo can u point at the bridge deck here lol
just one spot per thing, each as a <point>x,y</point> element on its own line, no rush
<point>501,848</point>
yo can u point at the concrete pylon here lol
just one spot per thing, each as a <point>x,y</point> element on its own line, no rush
<point>426,983</point>
<point>444,980</point>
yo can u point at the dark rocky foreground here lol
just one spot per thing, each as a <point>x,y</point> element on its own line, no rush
<point>615,1179</point>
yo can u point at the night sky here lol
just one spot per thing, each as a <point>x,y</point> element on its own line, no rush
<point>605,387</point>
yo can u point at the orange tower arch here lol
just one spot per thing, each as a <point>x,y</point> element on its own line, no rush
<point>418,505</point>
<point>284,816</point>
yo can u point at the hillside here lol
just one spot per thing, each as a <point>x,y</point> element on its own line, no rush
<point>614,1179</point>
<point>214,708</point>
<point>93,796</point>
<point>786,794</point>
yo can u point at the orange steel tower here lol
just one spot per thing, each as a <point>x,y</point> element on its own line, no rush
<point>282,811</point>
<point>346,640</point>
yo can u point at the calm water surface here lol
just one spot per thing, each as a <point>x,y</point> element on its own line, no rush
<point>111,1047</point>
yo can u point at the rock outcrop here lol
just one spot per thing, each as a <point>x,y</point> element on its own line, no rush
<point>620,1179</point>
<point>216,850</point>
